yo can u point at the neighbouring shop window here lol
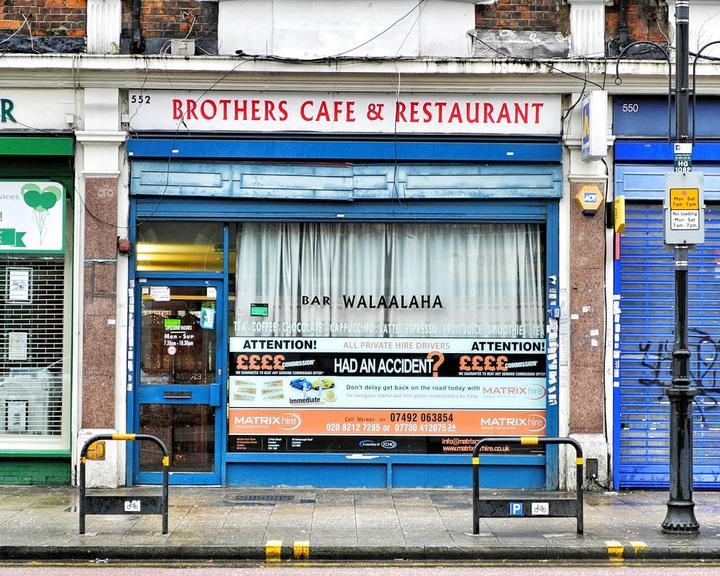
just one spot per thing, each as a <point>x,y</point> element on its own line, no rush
<point>179,246</point>
<point>35,314</point>
<point>32,363</point>
<point>390,337</point>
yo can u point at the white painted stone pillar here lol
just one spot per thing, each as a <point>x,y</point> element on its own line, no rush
<point>101,280</point>
<point>104,21</point>
<point>587,27</point>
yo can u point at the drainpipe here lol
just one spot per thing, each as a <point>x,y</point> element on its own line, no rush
<point>622,25</point>
<point>138,43</point>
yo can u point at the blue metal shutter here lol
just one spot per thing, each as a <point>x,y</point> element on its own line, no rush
<point>646,341</point>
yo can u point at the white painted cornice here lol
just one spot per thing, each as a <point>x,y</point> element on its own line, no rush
<point>430,75</point>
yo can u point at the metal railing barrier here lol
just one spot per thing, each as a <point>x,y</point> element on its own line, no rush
<point>543,507</point>
<point>124,504</point>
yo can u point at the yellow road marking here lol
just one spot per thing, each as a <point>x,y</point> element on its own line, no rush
<point>273,550</point>
<point>301,549</point>
<point>615,549</point>
<point>638,546</point>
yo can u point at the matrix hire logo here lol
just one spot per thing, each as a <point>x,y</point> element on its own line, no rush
<point>286,421</point>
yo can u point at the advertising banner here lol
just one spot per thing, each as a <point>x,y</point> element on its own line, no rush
<point>294,390</point>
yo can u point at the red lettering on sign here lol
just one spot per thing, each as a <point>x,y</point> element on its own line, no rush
<point>488,111</point>
<point>414,112</point>
<point>521,113</point>
<point>537,106</point>
<point>224,104</point>
<point>177,109</point>
<point>432,112</point>
<point>473,107</point>
<point>240,111</point>
<point>190,113</point>
<point>323,113</point>
<point>282,106</point>
<point>504,115</point>
<point>455,115</point>
<point>427,113</point>
<point>400,112</point>
<point>208,109</point>
<point>303,107</point>
<point>255,110</point>
<point>270,110</point>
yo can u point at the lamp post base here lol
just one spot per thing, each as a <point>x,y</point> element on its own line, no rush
<point>680,518</point>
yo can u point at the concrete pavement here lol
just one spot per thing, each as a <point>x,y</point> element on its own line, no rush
<point>41,522</point>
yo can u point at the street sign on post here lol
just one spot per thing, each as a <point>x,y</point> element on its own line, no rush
<point>682,157</point>
<point>684,209</point>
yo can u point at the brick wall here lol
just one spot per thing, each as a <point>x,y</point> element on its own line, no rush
<point>60,25</point>
<point>34,471</point>
<point>161,20</point>
<point>45,17</point>
<point>646,20</point>
<point>536,15</point>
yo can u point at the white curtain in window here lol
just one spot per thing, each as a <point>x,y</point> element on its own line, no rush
<point>391,280</point>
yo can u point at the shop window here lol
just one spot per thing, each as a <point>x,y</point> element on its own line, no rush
<point>179,247</point>
<point>390,280</point>
<point>389,338</point>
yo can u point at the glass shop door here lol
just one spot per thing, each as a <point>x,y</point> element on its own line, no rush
<point>179,378</point>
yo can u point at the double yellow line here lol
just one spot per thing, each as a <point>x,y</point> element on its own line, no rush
<point>300,548</point>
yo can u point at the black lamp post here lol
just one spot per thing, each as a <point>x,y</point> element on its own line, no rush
<point>680,517</point>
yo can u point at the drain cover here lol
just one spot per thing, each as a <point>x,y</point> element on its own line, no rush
<point>259,499</point>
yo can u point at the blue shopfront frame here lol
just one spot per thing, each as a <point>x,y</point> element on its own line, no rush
<point>366,470</point>
<point>211,395</point>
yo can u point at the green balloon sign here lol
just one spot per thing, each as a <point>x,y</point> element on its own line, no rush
<point>41,200</point>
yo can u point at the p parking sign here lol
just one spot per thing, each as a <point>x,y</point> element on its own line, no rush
<point>516,508</point>
<point>684,208</point>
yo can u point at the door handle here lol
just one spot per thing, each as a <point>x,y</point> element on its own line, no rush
<point>215,395</point>
<point>177,395</point>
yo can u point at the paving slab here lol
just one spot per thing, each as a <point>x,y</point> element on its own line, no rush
<point>246,524</point>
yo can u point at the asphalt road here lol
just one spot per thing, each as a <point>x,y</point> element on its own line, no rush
<point>296,569</point>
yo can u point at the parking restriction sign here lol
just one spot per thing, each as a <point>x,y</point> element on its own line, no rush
<point>684,208</point>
